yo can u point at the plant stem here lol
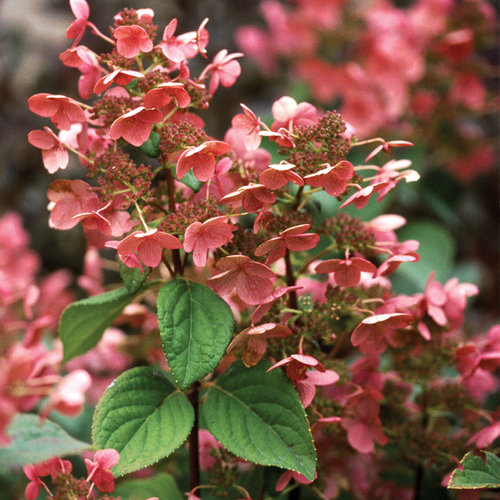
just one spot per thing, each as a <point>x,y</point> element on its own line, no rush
<point>298,198</point>
<point>176,256</point>
<point>194,452</point>
<point>290,281</point>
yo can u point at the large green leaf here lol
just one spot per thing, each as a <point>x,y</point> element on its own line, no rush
<point>436,250</point>
<point>160,485</point>
<point>258,416</point>
<point>83,322</point>
<point>196,326</point>
<point>475,473</point>
<point>142,416</point>
<point>34,442</point>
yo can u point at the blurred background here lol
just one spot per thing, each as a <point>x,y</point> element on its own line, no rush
<point>324,52</point>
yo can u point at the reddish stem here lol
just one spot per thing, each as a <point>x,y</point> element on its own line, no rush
<point>194,452</point>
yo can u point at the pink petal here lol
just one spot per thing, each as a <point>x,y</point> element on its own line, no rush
<point>55,158</point>
<point>223,283</point>
<point>41,139</point>
<point>80,8</point>
<point>359,437</point>
<point>150,252</point>
<point>107,458</point>
<point>252,289</point>
<point>167,240</point>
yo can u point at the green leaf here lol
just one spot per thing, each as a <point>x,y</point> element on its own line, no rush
<point>160,485</point>
<point>196,326</point>
<point>436,250</point>
<point>83,322</point>
<point>133,278</point>
<point>33,442</point>
<point>151,147</point>
<point>475,473</point>
<point>190,181</point>
<point>142,416</point>
<point>258,416</point>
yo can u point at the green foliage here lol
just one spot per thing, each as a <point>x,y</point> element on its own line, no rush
<point>475,473</point>
<point>133,278</point>
<point>189,180</point>
<point>196,326</point>
<point>34,442</point>
<point>258,416</point>
<point>151,147</point>
<point>436,251</point>
<point>160,485</point>
<point>84,322</point>
<point>142,416</point>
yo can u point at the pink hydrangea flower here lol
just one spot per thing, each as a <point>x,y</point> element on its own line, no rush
<point>294,238</point>
<point>362,421</point>
<point>333,179</point>
<point>394,261</point>
<point>178,49</point>
<point>277,176</point>
<point>164,93</point>
<point>119,76</point>
<point>251,280</point>
<point>54,153</point>
<point>253,161</point>
<point>206,443</point>
<point>361,197</point>
<point>136,125</point>
<point>201,159</point>
<point>86,61</point>
<point>387,147</point>
<point>81,11</point>
<point>99,469</point>
<point>306,388</point>
<point>62,110</point>
<point>67,199</point>
<point>254,341</point>
<point>297,366</point>
<point>249,124</point>
<point>486,436</point>
<point>445,303</point>
<point>103,219</point>
<point>149,246</point>
<point>131,40</point>
<point>251,197</point>
<point>371,332</point>
<point>170,45</point>
<point>224,70</point>
<point>346,272</point>
<point>69,395</point>
<point>52,467</point>
<point>287,113</point>
<point>267,303</point>
<point>199,237</point>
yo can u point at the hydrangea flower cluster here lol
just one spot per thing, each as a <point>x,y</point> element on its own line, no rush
<point>310,292</point>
